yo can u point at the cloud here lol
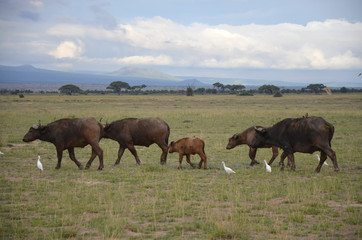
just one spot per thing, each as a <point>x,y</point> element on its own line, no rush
<point>68,49</point>
<point>37,3</point>
<point>331,44</point>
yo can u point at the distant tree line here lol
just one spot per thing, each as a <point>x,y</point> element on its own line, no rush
<point>119,87</point>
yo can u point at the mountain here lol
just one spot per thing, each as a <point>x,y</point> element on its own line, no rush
<point>28,75</point>
<point>142,73</point>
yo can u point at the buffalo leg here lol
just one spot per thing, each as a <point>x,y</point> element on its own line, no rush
<point>332,155</point>
<point>203,159</point>
<point>252,153</point>
<point>93,156</point>
<point>132,149</point>
<point>281,163</point>
<point>59,155</point>
<point>180,160</point>
<point>72,156</point>
<point>120,154</point>
<point>320,164</point>
<point>274,156</point>
<point>189,161</point>
<point>164,148</point>
<point>291,159</point>
<point>96,150</point>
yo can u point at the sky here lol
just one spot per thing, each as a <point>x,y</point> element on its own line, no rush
<point>184,37</point>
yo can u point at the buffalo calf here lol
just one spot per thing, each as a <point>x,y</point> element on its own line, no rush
<point>187,146</point>
<point>68,134</point>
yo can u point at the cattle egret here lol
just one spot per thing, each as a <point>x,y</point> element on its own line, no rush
<point>320,160</point>
<point>267,167</point>
<point>227,169</point>
<point>39,165</point>
<point>1,153</point>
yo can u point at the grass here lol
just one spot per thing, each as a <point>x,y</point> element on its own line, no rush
<point>151,201</point>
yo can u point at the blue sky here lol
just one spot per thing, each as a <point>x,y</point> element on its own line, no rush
<point>189,37</point>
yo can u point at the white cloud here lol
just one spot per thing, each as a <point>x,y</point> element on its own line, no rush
<point>37,3</point>
<point>332,44</point>
<point>68,49</point>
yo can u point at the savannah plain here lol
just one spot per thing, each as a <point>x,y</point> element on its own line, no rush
<point>154,201</point>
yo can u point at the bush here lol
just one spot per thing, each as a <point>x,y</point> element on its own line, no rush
<point>246,94</point>
<point>278,94</point>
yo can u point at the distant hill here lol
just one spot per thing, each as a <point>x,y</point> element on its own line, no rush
<point>142,73</point>
<point>29,75</point>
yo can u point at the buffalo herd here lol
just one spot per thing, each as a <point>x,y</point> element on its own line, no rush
<point>305,135</point>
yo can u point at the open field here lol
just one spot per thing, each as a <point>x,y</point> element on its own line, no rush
<point>151,201</point>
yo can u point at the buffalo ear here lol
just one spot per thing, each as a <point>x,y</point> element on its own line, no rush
<point>236,137</point>
<point>172,143</point>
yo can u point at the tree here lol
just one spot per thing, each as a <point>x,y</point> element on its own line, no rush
<point>219,86</point>
<point>237,88</point>
<point>189,91</point>
<point>344,90</point>
<point>138,88</point>
<point>316,88</point>
<point>270,89</point>
<point>69,89</point>
<point>117,86</point>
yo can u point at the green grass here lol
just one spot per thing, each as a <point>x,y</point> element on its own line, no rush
<point>152,201</point>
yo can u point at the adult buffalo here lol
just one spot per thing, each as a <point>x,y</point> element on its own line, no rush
<point>68,134</point>
<point>141,132</point>
<point>306,135</point>
<point>245,138</point>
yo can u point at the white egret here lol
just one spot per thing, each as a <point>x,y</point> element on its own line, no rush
<point>319,159</point>
<point>227,169</point>
<point>267,166</point>
<point>39,165</point>
<point>1,153</point>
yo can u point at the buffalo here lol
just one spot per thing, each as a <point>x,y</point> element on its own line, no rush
<point>245,138</point>
<point>141,132</point>
<point>187,146</point>
<point>305,135</point>
<point>68,134</point>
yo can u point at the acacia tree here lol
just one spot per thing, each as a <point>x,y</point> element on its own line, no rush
<point>69,89</point>
<point>219,86</point>
<point>117,86</point>
<point>138,88</point>
<point>270,89</point>
<point>316,88</point>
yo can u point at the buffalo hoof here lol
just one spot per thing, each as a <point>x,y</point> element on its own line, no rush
<point>254,163</point>
<point>100,169</point>
<point>80,167</point>
<point>87,167</point>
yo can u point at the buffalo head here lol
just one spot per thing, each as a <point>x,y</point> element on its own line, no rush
<point>171,147</point>
<point>34,133</point>
<point>233,141</point>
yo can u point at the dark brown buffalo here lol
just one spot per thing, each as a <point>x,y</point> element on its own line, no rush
<point>68,134</point>
<point>140,132</point>
<point>306,135</point>
<point>245,138</point>
<point>187,146</point>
